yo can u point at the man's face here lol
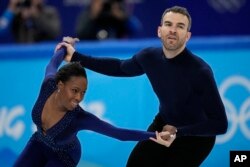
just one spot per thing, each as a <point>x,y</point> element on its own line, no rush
<point>174,31</point>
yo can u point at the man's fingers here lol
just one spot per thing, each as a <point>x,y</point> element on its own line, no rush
<point>165,135</point>
<point>70,40</point>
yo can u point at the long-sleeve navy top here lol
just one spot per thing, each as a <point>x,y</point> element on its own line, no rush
<point>185,86</point>
<point>62,136</point>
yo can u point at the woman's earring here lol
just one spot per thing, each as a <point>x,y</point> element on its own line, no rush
<point>58,90</point>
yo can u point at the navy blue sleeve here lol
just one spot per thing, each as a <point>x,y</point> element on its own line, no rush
<point>110,66</point>
<point>89,121</point>
<point>54,63</point>
<point>213,108</point>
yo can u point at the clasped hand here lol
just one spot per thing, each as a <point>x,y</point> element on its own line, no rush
<point>160,138</point>
<point>68,43</point>
<point>166,137</point>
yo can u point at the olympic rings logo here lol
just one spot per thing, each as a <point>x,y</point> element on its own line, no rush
<point>236,117</point>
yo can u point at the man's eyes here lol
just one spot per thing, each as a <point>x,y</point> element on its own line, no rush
<point>178,25</point>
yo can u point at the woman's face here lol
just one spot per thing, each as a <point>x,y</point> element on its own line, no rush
<point>72,92</point>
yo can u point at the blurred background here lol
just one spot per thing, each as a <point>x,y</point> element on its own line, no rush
<point>30,30</point>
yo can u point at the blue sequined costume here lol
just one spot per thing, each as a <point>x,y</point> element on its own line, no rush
<point>60,146</point>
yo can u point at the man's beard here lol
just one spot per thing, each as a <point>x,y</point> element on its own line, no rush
<point>172,47</point>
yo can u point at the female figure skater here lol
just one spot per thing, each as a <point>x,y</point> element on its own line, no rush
<point>59,117</point>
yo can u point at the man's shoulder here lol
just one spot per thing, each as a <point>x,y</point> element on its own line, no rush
<point>151,51</point>
<point>196,58</point>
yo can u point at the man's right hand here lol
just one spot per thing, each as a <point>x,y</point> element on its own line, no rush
<point>68,43</point>
<point>172,131</point>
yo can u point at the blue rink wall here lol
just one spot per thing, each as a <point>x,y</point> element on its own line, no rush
<point>124,102</point>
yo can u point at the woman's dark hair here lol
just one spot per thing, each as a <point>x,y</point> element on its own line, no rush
<point>69,70</point>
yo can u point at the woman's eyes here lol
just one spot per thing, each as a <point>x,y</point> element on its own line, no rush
<point>75,91</point>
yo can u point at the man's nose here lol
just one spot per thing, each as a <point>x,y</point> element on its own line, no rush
<point>173,29</point>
